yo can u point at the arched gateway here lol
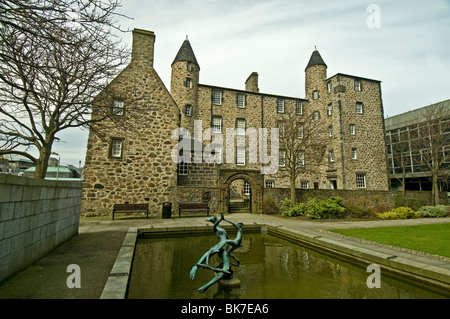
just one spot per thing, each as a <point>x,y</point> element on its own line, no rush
<point>253,178</point>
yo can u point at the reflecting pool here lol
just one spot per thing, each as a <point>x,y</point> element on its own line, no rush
<point>271,268</point>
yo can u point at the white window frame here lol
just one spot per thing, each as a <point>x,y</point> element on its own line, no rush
<point>270,184</point>
<point>357,85</point>
<point>216,124</point>
<point>189,67</point>
<point>116,148</point>
<point>118,107</point>
<point>247,188</point>
<point>316,115</point>
<point>188,110</point>
<point>354,153</point>
<point>315,95</point>
<point>241,101</point>
<point>217,97</point>
<point>240,126</point>
<point>301,161</point>
<point>304,185</point>
<point>352,128</point>
<point>330,109</point>
<point>299,108</point>
<point>280,106</point>
<point>359,108</point>
<point>330,130</point>
<point>188,83</point>
<point>300,132</point>
<point>332,158</point>
<point>329,87</point>
<point>240,155</point>
<point>360,180</point>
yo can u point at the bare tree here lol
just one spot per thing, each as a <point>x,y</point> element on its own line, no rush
<point>433,143</point>
<point>400,157</point>
<point>55,57</point>
<point>302,146</point>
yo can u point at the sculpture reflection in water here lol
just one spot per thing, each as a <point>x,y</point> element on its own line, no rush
<point>223,249</point>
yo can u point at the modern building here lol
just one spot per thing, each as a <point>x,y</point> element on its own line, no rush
<point>406,137</point>
<point>177,146</point>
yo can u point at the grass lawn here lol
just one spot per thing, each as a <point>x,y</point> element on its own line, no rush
<point>433,238</point>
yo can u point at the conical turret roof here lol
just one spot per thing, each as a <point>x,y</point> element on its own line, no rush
<point>315,59</point>
<point>186,53</point>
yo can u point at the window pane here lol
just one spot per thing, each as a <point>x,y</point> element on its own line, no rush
<point>280,106</point>
<point>217,124</point>
<point>360,181</point>
<point>240,127</point>
<point>299,108</point>
<point>241,101</point>
<point>116,148</point>
<point>217,97</point>
<point>117,108</point>
<point>240,156</point>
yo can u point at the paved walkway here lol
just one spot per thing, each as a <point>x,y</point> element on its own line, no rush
<point>99,240</point>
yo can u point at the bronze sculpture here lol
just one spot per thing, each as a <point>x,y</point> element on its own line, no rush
<point>223,270</point>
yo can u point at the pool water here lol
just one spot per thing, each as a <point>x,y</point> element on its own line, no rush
<point>271,268</point>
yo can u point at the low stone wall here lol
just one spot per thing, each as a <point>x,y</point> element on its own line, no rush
<point>36,216</point>
<point>368,198</point>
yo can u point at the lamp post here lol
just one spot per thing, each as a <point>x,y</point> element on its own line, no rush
<point>59,161</point>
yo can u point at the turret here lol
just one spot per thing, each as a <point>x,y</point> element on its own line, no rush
<point>184,84</point>
<point>315,76</point>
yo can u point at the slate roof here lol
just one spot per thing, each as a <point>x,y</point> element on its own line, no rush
<point>186,54</point>
<point>315,59</point>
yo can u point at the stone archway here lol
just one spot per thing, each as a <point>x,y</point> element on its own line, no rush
<point>227,177</point>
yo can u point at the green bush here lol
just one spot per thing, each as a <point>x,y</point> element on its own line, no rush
<point>434,211</point>
<point>412,202</point>
<point>269,206</point>
<point>295,210</point>
<point>399,213</point>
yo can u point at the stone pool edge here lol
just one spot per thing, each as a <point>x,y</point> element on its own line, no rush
<point>428,270</point>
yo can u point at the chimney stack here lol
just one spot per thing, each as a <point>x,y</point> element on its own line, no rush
<point>143,47</point>
<point>251,84</point>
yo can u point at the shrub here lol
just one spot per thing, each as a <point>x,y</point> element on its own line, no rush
<point>269,206</point>
<point>330,208</point>
<point>434,211</point>
<point>295,210</point>
<point>412,202</point>
<point>399,213</point>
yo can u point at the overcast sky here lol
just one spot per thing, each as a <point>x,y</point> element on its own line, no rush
<point>407,48</point>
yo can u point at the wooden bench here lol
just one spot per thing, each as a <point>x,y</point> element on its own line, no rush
<point>129,209</point>
<point>192,208</point>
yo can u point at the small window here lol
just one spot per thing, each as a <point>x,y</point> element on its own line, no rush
<point>188,110</point>
<point>301,161</point>
<point>300,131</point>
<point>299,109</point>
<point>217,124</point>
<point>330,109</point>
<point>281,130</point>
<point>304,185</point>
<point>183,168</point>
<point>329,87</point>
<point>354,154</point>
<point>280,106</point>
<point>217,98</point>
<point>358,86</point>
<point>316,115</point>
<point>330,131</point>
<point>270,184</point>
<point>190,67</point>
<point>282,158</point>
<point>247,188</point>
<point>241,101</point>
<point>240,126</point>
<point>359,108</point>
<point>352,129</point>
<point>116,148</point>
<point>360,181</point>
<point>117,108</point>
<point>188,83</point>
<point>315,95</point>
<point>331,156</point>
<point>240,155</point>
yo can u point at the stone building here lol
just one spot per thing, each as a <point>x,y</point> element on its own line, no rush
<point>135,165</point>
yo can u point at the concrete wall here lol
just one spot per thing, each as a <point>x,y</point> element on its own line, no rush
<point>36,216</point>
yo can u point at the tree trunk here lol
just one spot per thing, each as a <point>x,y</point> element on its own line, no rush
<point>435,190</point>
<point>292,186</point>
<point>42,163</point>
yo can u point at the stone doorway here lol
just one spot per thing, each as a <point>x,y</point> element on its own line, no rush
<point>240,191</point>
